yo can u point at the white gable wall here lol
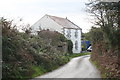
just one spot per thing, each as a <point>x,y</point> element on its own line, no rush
<point>47,23</point>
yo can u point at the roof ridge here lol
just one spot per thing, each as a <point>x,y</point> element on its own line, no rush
<point>57,19</point>
<point>56,16</point>
<point>73,23</point>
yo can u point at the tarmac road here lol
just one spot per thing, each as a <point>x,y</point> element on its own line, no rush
<point>79,67</point>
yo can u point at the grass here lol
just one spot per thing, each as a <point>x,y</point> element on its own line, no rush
<point>103,75</point>
<point>79,54</point>
<point>37,71</point>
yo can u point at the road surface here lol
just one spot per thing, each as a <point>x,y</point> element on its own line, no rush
<point>79,67</point>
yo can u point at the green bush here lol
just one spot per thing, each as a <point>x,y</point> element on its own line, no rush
<point>27,56</point>
<point>70,46</point>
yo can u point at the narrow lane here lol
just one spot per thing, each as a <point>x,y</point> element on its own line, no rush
<point>79,67</point>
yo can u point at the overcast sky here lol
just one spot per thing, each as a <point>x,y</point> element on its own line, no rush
<point>32,10</point>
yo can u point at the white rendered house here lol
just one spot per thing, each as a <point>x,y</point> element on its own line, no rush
<point>62,25</point>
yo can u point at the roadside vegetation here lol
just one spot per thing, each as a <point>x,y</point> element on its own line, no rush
<point>26,56</point>
<point>105,37</point>
<point>81,54</point>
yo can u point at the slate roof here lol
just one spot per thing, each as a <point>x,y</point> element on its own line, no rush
<point>64,22</point>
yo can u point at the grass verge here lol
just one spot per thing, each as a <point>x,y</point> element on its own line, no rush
<point>79,54</point>
<point>98,67</point>
<point>37,71</point>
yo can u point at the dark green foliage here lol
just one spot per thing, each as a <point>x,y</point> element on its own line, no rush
<point>96,35</point>
<point>52,37</point>
<point>27,56</point>
<point>86,36</point>
<point>106,38</point>
<point>107,15</point>
<point>70,46</point>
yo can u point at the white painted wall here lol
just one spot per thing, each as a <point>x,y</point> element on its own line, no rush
<point>47,23</point>
<point>74,39</point>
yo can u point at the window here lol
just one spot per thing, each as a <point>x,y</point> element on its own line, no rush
<point>76,33</point>
<point>63,31</point>
<point>76,45</point>
<point>68,33</point>
<point>40,27</point>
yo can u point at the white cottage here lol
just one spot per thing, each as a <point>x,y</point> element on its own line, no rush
<point>62,25</point>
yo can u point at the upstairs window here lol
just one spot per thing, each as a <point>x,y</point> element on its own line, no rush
<point>40,28</point>
<point>76,33</point>
<point>68,33</point>
<point>63,31</point>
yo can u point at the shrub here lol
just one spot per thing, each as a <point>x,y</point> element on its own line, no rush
<point>70,46</point>
<point>27,56</point>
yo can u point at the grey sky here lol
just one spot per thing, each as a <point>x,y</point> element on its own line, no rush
<point>110,0</point>
<point>32,10</point>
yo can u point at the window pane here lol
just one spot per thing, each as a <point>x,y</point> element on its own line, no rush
<point>76,33</point>
<point>76,45</point>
